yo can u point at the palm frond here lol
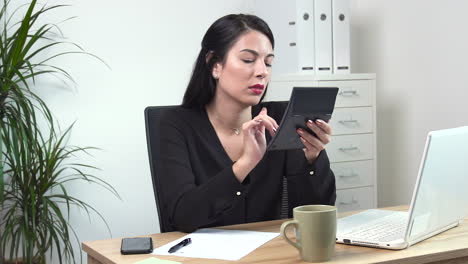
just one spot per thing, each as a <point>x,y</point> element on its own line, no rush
<point>36,162</point>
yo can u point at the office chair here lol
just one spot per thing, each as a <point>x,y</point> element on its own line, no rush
<point>152,119</point>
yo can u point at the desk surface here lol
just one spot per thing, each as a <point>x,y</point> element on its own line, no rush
<point>448,247</point>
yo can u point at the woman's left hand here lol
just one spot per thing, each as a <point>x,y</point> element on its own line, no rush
<point>314,144</point>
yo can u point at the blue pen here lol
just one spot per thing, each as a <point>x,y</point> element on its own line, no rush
<point>180,245</point>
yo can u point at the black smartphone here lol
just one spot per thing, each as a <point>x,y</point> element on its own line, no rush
<point>136,245</point>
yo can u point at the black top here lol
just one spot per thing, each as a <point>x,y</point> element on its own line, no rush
<point>199,188</point>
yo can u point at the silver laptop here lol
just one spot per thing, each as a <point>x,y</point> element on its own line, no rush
<point>440,199</point>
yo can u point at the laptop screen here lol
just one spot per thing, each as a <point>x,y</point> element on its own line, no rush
<point>441,195</point>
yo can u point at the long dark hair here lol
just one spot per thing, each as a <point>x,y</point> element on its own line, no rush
<point>218,39</point>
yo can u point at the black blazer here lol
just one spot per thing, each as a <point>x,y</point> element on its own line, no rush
<point>199,188</point>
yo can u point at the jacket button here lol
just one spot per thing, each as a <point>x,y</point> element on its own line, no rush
<point>311,172</point>
<point>238,193</point>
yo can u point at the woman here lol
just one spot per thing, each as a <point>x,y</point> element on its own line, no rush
<point>214,168</point>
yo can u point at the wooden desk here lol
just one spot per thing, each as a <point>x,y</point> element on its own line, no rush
<point>449,247</point>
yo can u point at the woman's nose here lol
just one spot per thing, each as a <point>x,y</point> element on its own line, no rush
<point>262,70</point>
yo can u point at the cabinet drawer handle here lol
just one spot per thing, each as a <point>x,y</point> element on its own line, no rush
<point>353,201</point>
<point>348,149</point>
<point>348,93</point>
<point>348,175</point>
<point>352,121</point>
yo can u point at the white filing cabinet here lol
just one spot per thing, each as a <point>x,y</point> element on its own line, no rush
<point>352,150</point>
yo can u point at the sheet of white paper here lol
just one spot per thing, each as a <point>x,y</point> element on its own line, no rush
<point>218,244</point>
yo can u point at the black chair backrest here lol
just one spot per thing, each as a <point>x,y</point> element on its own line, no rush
<point>152,119</point>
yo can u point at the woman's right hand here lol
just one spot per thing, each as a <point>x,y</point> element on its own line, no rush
<point>254,143</point>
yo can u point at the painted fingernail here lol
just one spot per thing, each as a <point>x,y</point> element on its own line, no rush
<point>274,129</point>
<point>320,121</point>
<point>300,131</point>
<point>310,121</point>
<point>258,120</point>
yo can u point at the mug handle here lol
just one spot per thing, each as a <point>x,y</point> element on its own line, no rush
<point>283,232</point>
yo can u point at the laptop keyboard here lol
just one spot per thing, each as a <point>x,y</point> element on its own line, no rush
<point>387,228</point>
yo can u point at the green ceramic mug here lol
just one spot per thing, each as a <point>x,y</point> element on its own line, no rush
<point>315,231</point>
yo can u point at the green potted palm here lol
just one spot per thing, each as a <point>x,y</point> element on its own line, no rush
<point>36,162</point>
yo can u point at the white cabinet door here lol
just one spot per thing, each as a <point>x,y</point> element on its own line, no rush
<point>351,93</point>
<point>351,147</point>
<point>356,120</point>
<point>355,199</point>
<point>353,174</point>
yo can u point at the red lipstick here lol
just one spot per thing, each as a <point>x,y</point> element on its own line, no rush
<point>257,88</point>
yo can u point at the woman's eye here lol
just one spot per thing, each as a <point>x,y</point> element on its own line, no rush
<point>248,61</point>
<point>268,64</point>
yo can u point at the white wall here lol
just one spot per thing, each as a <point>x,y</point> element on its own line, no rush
<point>419,51</point>
<point>150,47</point>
